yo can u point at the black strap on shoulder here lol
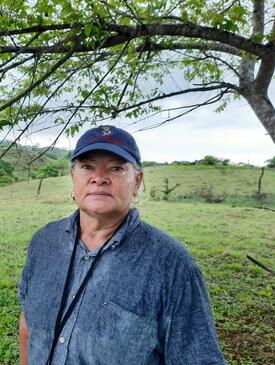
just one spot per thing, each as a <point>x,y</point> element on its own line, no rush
<point>60,322</point>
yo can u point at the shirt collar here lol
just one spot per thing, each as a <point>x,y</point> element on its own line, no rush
<point>128,225</point>
<point>131,221</point>
<point>71,221</point>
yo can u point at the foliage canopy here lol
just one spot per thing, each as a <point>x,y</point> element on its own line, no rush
<point>65,63</point>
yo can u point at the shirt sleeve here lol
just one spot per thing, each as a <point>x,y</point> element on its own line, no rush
<point>23,286</point>
<point>190,335</point>
<point>26,274</point>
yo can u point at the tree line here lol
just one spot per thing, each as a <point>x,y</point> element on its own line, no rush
<point>209,160</point>
<point>61,167</point>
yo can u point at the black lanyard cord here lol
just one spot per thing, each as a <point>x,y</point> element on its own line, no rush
<point>60,322</point>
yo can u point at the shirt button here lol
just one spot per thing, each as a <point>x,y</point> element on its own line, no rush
<point>86,258</point>
<point>74,296</point>
<point>61,339</point>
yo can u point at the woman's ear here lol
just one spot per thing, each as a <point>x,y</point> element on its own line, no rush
<point>139,178</point>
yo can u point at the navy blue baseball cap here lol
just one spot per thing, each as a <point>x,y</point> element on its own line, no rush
<point>108,138</point>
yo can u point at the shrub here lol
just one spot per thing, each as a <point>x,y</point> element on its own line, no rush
<point>206,192</point>
<point>6,173</point>
<point>213,161</point>
<point>271,162</point>
<point>6,168</point>
<point>53,169</point>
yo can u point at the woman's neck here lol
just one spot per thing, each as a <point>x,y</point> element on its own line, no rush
<point>94,232</point>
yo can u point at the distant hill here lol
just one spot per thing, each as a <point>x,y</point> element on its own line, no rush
<point>19,157</point>
<point>53,153</point>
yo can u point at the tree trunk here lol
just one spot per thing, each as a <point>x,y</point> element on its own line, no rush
<point>264,110</point>
<point>39,185</point>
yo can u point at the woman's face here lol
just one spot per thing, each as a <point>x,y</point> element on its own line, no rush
<point>104,184</point>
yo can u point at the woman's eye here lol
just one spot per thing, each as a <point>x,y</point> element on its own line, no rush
<point>86,167</point>
<point>117,169</point>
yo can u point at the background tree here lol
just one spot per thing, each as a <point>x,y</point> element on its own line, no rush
<point>53,169</point>
<point>213,161</point>
<point>6,173</point>
<point>71,62</point>
<point>271,162</point>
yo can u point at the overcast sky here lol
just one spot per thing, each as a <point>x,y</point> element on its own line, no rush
<point>235,134</point>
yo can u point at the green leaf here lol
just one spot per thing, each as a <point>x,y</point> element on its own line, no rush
<point>4,123</point>
<point>90,29</point>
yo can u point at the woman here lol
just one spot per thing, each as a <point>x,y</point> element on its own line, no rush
<point>102,287</point>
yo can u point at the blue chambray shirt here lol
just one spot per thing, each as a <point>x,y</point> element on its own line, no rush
<point>146,303</point>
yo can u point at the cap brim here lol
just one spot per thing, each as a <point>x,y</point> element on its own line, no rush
<point>105,147</point>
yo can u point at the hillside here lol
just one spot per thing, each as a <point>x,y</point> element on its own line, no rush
<point>229,184</point>
<point>19,158</point>
<point>54,153</point>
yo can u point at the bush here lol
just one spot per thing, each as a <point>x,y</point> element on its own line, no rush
<point>150,163</point>
<point>53,169</point>
<point>271,162</point>
<point>206,192</point>
<point>6,180</point>
<point>213,161</point>
<point>6,173</point>
<point>6,168</point>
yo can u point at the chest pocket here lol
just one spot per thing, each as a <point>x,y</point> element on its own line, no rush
<point>125,337</point>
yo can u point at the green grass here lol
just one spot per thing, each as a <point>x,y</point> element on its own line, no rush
<point>219,236</point>
<point>237,184</point>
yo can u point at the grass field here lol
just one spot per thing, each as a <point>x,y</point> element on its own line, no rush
<point>219,236</point>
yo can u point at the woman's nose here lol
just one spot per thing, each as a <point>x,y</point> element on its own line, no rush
<point>100,177</point>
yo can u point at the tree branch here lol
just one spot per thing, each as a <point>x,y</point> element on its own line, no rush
<point>258,17</point>
<point>39,81</point>
<point>267,66</point>
<point>174,7</point>
<point>83,101</point>
<point>261,265</point>
<point>227,64</point>
<point>176,93</point>
<point>36,114</point>
<point>265,74</point>
<point>36,35</point>
<point>202,46</point>
<point>130,77</point>
<point>191,106</point>
<point>125,33</point>
<point>197,106</point>
<point>247,66</point>
<point>18,63</point>
<point>38,29</point>
<point>229,6</point>
<point>135,16</point>
<point>191,30</point>
<point>218,86</point>
<point>272,41</point>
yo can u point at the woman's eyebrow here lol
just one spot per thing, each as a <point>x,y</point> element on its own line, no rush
<point>94,159</point>
<point>118,160</point>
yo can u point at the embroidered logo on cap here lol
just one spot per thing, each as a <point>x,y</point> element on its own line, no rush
<point>106,130</point>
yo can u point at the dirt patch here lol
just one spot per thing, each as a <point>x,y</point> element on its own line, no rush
<point>243,346</point>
